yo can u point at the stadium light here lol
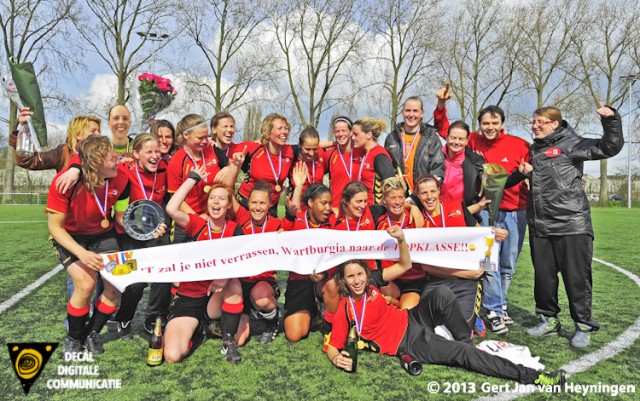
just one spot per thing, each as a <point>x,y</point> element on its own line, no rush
<point>630,80</point>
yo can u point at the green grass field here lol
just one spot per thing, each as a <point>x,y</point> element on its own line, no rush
<point>284,371</point>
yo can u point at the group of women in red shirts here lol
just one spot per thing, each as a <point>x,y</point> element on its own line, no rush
<point>193,178</point>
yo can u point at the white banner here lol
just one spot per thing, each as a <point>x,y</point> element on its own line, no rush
<point>297,251</point>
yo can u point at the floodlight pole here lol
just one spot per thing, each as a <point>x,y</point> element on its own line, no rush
<point>629,79</point>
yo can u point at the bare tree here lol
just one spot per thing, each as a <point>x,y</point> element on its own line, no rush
<point>318,41</point>
<point>228,34</point>
<point>109,28</point>
<point>29,30</point>
<point>410,43</point>
<point>603,44</point>
<point>482,56</point>
<point>252,123</point>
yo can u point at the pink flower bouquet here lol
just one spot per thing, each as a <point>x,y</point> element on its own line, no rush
<point>156,94</point>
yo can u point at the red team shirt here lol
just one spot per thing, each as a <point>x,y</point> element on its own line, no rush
<point>416,271</point>
<point>180,166</point>
<point>452,216</point>
<point>271,224</point>
<point>259,168</point>
<point>83,215</point>
<point>198,228</point>
<point>154,185</point>
<point>383,325</point>
<point>367,173</point>
<point>342,168</point>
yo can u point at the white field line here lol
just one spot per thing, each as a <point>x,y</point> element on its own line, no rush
<point>22,221</point>
<point>29,289</point>
<point>609,350</point>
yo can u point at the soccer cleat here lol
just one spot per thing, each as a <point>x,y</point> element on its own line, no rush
<point>582,338</point>
<point>480,329</point>
<point>270,333</point>
<point>230,350</point>
<point>555,378</point>
<point>546,327</point>
<point>72,345</point>
<point>496,324</point>
<point>93,343</point>
<point>148,328</point>
<point>124,330</point>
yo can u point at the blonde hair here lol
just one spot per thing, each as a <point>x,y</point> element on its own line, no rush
<point>187,123</point>
<point>93,153</point>
<point>392,184</point>
<point>78,126</point>
<point>267,126</point>
<point>550,112</point>
<point>376,127</point>
<point>141,139</point>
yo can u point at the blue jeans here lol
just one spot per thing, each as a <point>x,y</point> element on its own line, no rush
<point>496,284</point>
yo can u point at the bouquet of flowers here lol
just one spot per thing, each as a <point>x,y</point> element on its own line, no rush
<point>27,141</point>
<point>156,94</point>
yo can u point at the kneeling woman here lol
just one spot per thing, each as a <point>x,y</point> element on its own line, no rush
<point>193,302</point>
<point>81,226</point>
<point>391,331</point>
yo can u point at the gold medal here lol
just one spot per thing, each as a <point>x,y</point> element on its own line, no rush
<point>278,188</point>
<point>361,344</point>
<point>104,223</point>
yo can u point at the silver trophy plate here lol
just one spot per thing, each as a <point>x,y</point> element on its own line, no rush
<point>142,219</point>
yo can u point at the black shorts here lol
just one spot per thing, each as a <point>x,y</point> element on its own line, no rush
<point>183,305</point>
<point>247,286</point>
<point>300,296</point>
<point>410,286</point>
<point>468,294</point>
<point>101,243</point>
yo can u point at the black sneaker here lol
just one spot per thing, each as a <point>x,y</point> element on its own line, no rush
<point>72,345</point>
<point>269,334</point>
<point>556,379</point>
<point>148,327</point>
<point>124,330</point>
<point>230,351</point>
<point>93,343</point>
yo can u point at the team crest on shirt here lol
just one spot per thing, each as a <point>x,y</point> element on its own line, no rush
<point>552,152</point>
<point>121,263</point>
<point>286,159</point>
<point>453,213</point>
<point>114,192</point>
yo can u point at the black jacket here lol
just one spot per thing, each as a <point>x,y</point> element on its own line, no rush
<point>557,204</point>
<point>472,170</point>
<point>429,157</point>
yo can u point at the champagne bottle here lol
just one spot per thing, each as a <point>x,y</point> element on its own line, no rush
<point>413,367</point>
<point>156,345</point>
<point>352,347</point>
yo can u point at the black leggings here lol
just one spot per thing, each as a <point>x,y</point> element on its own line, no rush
<point>437,307</point>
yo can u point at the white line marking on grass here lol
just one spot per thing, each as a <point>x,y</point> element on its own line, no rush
<point>609,350</point>
<point>29,289</point>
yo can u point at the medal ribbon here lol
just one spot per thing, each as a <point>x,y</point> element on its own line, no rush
<point>401,220</point>
<point>102,207</point>
<point>273,169</point>
<point>406,156</point>
<point>144,191</point>
<point>364,162</point>
<point>441,217</point>
<point>348,170</point>
<point>346,220</point>
<point>211,231</point>
<point>204,161</point>
<point>264,225</point>
<point>355,316</point>
<point>313,174</point>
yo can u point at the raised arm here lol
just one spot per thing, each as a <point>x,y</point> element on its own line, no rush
<point>174,205</point>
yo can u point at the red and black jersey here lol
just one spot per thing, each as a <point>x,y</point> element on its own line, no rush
<point>342,168</point>
<point>199,229</point>
<point>301,222</point>
<point>182,163</point>
<point>271,224</point>
<point>315,172</point>
<point>82,207</point>
<point>375,168</point>
<point>233,148</point>
<point>416,271</point>
<point>146,185</point>
<point>383,327</point>
<point>260,165</point>
<point>452,216</point>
